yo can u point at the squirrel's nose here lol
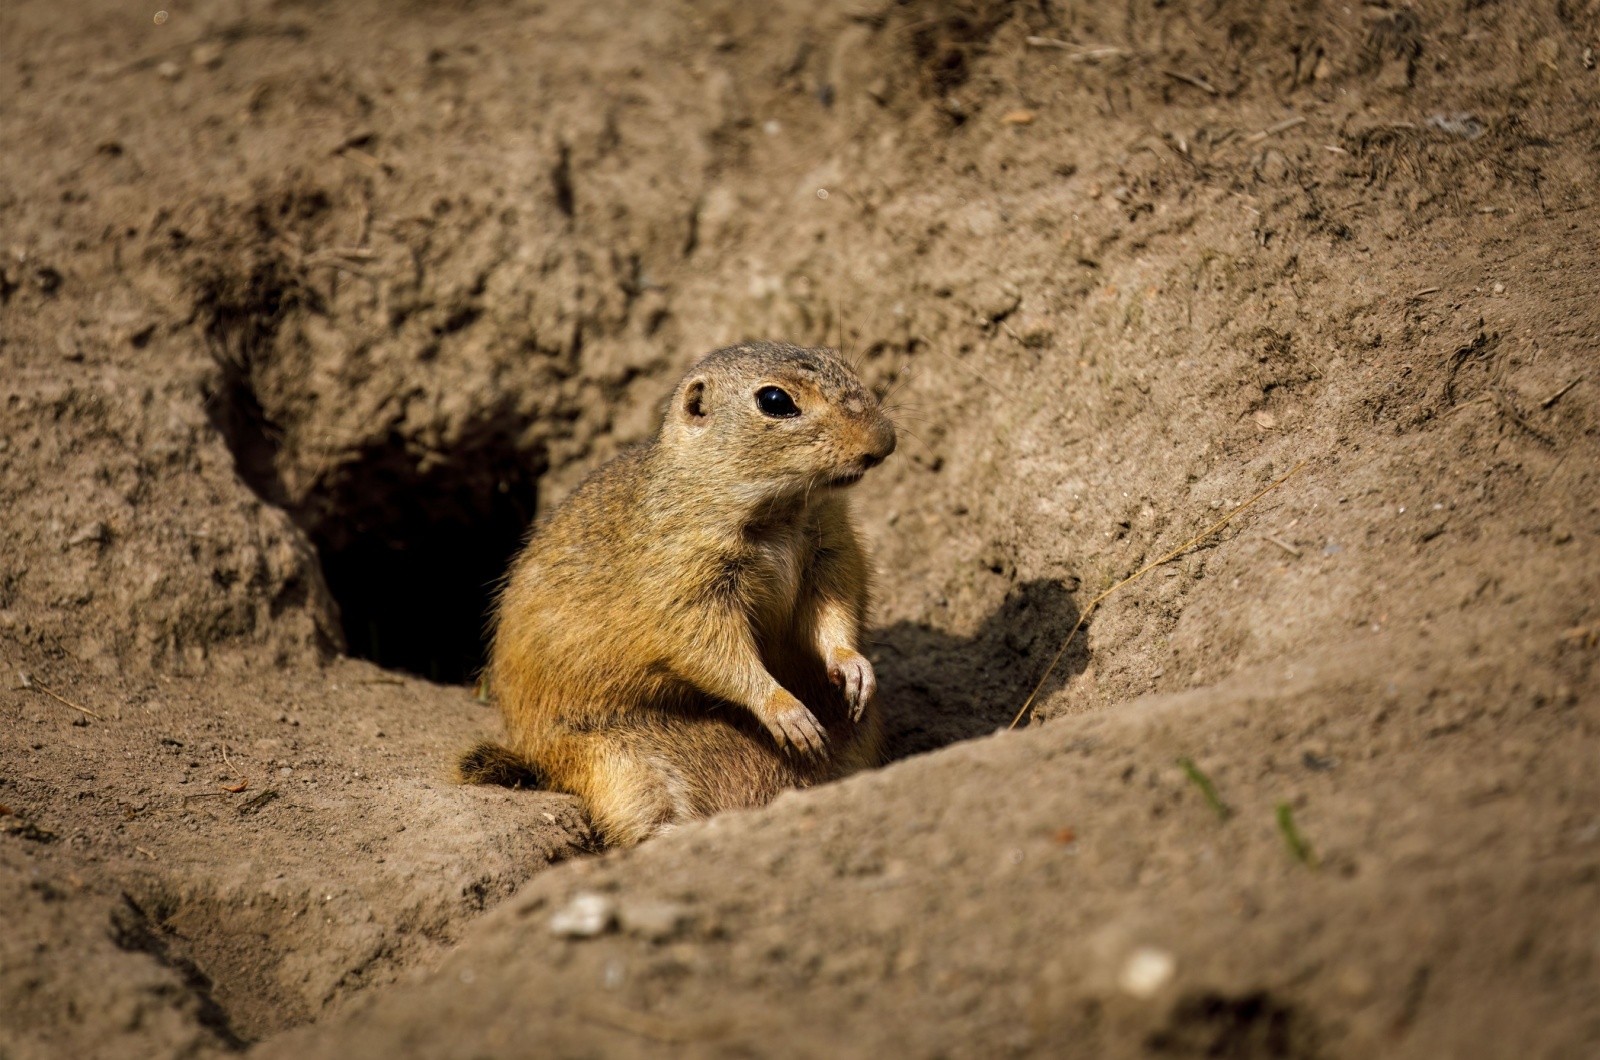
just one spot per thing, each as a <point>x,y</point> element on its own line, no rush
<point>884,442</point>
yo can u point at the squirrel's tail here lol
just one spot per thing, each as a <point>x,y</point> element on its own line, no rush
<point>492,763</point>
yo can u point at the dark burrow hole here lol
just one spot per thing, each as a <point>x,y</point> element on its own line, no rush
<point>413,556</point>
<point>412,539</point>
<point>412,544</point>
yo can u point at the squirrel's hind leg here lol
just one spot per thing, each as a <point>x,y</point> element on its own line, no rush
<point>633,795</point>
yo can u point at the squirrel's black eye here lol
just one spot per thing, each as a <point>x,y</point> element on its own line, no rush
<point>775,402</point>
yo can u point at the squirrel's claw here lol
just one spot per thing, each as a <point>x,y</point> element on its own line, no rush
<point>797,728</point>
<point>853,674</point>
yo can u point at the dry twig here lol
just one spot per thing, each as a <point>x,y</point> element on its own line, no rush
<point>29,683</point>
<point>1481,399</point>
<point>1281,543</point>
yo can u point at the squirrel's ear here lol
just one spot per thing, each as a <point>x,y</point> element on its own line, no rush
<point>694,402</point>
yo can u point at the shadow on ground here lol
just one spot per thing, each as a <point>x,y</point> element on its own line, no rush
<point>937,689</point>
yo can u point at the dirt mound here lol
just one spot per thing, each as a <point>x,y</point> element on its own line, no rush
<point>306,311</point>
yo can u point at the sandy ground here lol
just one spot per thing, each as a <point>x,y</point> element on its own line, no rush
<point>307,310</point>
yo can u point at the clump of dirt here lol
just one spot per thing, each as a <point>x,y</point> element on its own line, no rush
<point>306,313</point>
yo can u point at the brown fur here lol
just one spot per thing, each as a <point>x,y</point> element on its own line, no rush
<point>683,634</point>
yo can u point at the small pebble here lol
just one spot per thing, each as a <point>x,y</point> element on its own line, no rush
<point>1146,971</point>
<point>95,531</point>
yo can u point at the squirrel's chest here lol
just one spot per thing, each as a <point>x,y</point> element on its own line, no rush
<point>774,568</point>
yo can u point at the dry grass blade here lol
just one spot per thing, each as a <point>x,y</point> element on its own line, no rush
<point>1553,398</point>
<point>1198,82</point>
<point>1147,568</point>
<point>1081,53</point>
<point>1273,130</point>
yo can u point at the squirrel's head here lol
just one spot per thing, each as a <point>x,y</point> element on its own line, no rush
<point>776,420</point>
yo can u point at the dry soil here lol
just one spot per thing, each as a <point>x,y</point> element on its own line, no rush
<point>307,310</point>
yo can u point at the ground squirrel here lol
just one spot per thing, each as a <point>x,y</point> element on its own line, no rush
<point>683,635</point>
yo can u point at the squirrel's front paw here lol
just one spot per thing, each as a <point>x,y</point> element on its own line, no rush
<point>792,725</point>
<point>851,671</point>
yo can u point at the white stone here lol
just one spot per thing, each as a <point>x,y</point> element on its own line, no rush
<point>1146,971</point>
<point>585,916</point>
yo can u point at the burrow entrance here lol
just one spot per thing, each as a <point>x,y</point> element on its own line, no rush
<point>414,541</point>
<point>412,545</point>
<point>413,557</point>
